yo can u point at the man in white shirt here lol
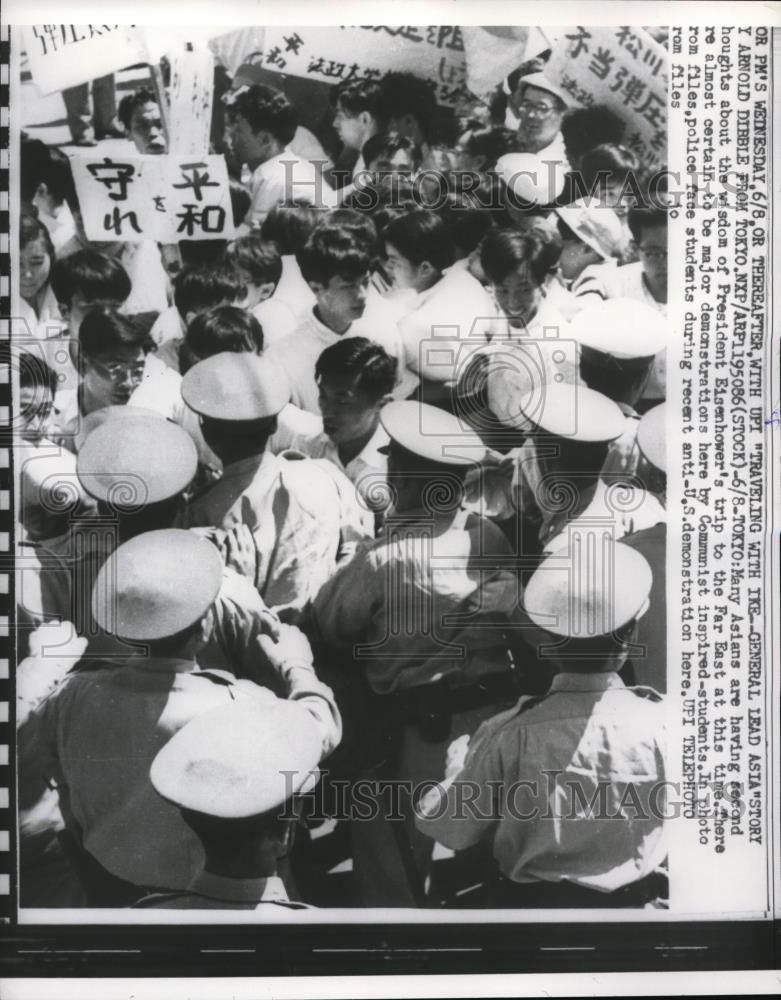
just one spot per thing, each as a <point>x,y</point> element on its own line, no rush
<point>539,105</point>
<point>260,124</point>
<point>336,265</point>
<point>359,115</point>
<point>356,379</point>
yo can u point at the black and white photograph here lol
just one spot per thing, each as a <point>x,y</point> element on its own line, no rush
<point>342,589</point>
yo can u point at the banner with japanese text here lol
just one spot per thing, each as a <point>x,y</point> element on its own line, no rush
<point>163,198</point>
<point>624,69</point>
<point>340,55</point>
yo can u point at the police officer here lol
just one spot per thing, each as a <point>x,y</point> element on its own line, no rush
<point>96,736</point>
<point>233,772</point>
<point>424,610</point>
<point>530,771</point>
<point>304,518</point>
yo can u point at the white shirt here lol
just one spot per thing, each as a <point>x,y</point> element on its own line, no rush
<point>367,470</point>
<point>150,285</point>
<point>168,326</point>
<point>292,291</point>
<point>295,510</point>
<point>453,314</point>
<point>552,755</point>
<point>298,352</point>
<point>283,177</point>
<point>276,318</point>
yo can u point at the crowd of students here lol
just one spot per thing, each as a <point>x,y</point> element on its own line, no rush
<point>374,492</point>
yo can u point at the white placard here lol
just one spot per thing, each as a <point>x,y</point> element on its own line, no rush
<point>163,198</point>
<point>625,69</point>
<point>64,55</point>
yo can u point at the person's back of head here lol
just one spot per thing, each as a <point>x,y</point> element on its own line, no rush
<point>480,148</point>
<point>362,97</point>
<point>33,162</point>
<point>410,103</point>
<point>583,129</point>
<point>258,261</point>
<point>199,288</point>
<point>607,165</point>
<point>221,328</point>
<point>265,109</point>
<point>290,225</point>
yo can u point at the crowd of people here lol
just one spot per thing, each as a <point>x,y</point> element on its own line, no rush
<point>341,543</point>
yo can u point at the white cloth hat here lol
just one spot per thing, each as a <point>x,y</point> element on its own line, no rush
<point>586,591</point>
<point>530,178</point>
<point>541,82</point>
<point>597,225</point>
<point>242,759</point>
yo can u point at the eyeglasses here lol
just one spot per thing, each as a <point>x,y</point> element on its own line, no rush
<point>541,111</point>
<point>118,372</point>
<point>653,253</point>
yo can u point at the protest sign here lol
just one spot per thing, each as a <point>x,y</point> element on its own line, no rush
<point>625,69</point>
<point>492,53</point>
<point>341,55</point>
<point>164,198</point>
<point>192,88</point>
<point>65,55</point>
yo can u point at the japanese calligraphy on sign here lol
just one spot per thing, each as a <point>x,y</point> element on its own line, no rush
<point>625,69</point>
<point>162,198</point>
<point>64,55</point>
<point>341,55</point>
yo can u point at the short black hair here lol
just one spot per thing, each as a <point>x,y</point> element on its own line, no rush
<point>374,368</point>
<point>491,143</point>
<point>384,145</point>
<point>407,94</point>
<point>290,225</point>
<point>259,259</point>
<point>98,277</point>
<point>104,330</point>
<point>468,227</point>
<point>203,286</point>
<point>224,328</point>
<point>362,95</point>
<point>643,217</point>
<point>265,109</point>
<point>32,229</point>
<point>607,159</point>
<point>357,223</point>
<point>333,252</point>
<point>35,373</point>
<point>504,250</point>
<point>419,236</point>
<point>585,128</point>
<point>241,199</point>
<point>33,162</point>
<point>130,102</point>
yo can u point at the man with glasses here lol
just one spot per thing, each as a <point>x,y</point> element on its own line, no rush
<point>539,106</point>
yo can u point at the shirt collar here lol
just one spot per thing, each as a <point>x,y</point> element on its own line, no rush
<point>173,664</point>
<point>570,681</point>
<point>239,890</point>
<point>370,454</point>
<point>268,166</point>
